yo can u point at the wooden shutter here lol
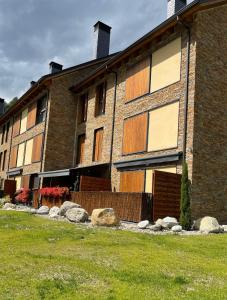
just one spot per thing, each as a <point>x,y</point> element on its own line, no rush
<point>81,148</point>
<point>135,134</point>
<point>32,109</point>
<point>16,126</point>
<point>37,148</point>
<point>132,182</point>
<point>26,181</point>
<point>98,141</point>
<point>138,80</point>
<point>13,157</point>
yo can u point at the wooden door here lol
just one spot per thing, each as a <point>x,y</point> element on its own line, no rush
<point>10,187</point>
<point>166,195</point>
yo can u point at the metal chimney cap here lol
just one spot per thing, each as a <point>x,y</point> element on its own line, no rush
<point>102,26</point>
<point>56,65</point>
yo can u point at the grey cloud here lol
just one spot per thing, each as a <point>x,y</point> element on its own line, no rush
<point>34,32</point>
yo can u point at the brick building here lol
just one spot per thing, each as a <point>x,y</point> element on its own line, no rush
<point>149,107</point>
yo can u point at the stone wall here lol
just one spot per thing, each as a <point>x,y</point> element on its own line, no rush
<point>209,180</point>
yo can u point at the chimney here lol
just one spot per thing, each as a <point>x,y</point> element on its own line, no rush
<point>55,67</point>
<point>174,6</point>
<point>101,40</point>
<point>32,83</point>
<point>2,106</point>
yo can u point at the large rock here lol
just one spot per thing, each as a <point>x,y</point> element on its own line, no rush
<point>43,210</point>
<point>143,224</point>
<point>176,228</point>
<point>54,212</point>
<point>9,205</point>
<point>104,217</point>
<point>210,225</point>
<point>66,206</point>
<point>196,224</point>
<point>167,223</point>
<point>155,227</point>
<point>77,215</point>
<point>224,228</point>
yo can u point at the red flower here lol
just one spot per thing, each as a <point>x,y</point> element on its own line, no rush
<point>23,196</point>
<point>54,192</point>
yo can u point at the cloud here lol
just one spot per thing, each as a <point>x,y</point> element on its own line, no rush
<point>32,33</point>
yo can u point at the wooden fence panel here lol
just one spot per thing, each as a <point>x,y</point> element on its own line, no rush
<point>128,206</point>
<point>88,183</point>
<point>166,195</point>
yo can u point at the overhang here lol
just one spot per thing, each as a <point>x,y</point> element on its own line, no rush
<point>56,173</point>
<point>148,162</point>
<point>14,172</point>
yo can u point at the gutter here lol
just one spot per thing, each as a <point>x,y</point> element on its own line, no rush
<point>186,93</point>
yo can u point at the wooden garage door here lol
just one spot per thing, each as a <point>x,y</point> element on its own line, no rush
<point>132,182</point>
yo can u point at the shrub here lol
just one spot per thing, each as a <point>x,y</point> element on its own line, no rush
<point>185,209</point>
<point>54,192</point>
<point>24,196</point>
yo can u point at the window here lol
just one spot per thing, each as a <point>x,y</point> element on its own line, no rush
<point>80,151</point>
<point>13,157</point>
<point>24,118</point>
<point>4,160</point>
<point>16,125</point>
<point>3,134</point>
<point>137,80</point>
<point>98,141</point>
<point>149,176</point>
<point>135,134</point>
<point>163,127</point>
<point>20,155</point>
<point>18,182</point>
<point>166,65</point>
<point>37,148</point>
<point>32,111</point>
<point>132,182</point>
<point>7,131</point>
<point>28,152</point>
<point>83,105</point>
<point>1,160</point>
<point>41,110</point>
<point>100,99</point>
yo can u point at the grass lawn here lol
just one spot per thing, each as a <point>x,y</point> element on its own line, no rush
<point>42,259</point>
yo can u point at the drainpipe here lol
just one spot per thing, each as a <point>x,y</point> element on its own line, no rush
<point>186,94</point>
<point>114,111</point>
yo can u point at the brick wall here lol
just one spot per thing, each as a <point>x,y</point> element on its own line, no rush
<point>209,183</point>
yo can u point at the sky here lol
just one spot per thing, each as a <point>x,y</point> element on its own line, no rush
<point>35,32</point>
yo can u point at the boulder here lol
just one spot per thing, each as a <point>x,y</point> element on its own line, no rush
<point>77,215</point>
<point>155,227</point>
<point>143,224</point>
<point>224,228</point>
<point>9,205</point>
<point>43,210</point>
<point>170,222</point>
<point>196,224</point>
<point>210,225</point>
<point>54,212</point>
<point>33,211</point>
<point>66,206</point>
<point>176,228</point>
<point>161,223</point>
<point>104,217</point>
<point>23,208</point>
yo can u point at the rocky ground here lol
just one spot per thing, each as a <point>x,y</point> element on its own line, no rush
<point>72,212</point>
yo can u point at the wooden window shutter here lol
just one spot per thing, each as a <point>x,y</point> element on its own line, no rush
<point>81,148</point>
<point>138,80</point>
<point>16,126</point>
<point>32,109</point>
<point>37,148</point>
<point>13,157</point>
<point>132,182</point>
<point>98,141</point>
<point>26,181</point>
<point>135,134</point>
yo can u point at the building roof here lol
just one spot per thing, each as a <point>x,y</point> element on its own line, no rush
<point>43,82</point>
<point>182,14</point>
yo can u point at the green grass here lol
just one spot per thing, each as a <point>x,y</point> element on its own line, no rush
<point>42,259</point>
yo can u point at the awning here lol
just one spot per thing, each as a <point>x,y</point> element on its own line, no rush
<point>56,173</point>
<point>14,172</point>
<point>148,161</point>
